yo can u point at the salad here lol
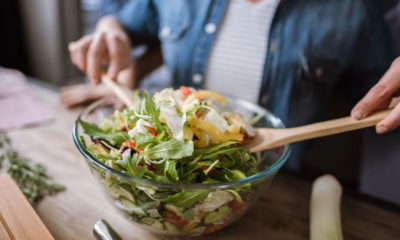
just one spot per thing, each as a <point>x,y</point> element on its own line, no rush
<point>177,136</point>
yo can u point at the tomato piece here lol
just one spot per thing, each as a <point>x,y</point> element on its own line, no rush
<point>236,207</point>
<point>186,91</point>
<point>181,222</point>
<point>169,214</point>
<point>174,219</point>
<point>235,204</point>
<point>205,167</point>
<point>202,168</point>
<point>152,131</point>
<point>155,134</point>
<point>213,228</point>
<point>129,143</point>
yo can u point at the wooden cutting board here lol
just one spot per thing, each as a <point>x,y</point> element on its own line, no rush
<point>18,220</point>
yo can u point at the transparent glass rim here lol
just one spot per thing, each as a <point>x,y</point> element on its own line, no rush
<point>255,177</point>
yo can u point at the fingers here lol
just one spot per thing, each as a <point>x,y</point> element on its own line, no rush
<point>119,53</point>
<point>390,122</point>
<point>78,51</point>
<point>380,94</point>
<point>118,104</point>
<point>128,77</point>
<point>79,94</point>
<point>90,52</point>
<point>95,56</point>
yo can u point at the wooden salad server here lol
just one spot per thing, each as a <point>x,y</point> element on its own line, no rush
<point>123,93</point>
<point>268,138</point>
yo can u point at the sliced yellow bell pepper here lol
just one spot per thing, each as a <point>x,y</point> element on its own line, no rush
<point>217,135</point>
<point>234,136</point>
<point>208,128</point>
<point>202,94</point>
<point>202,136</point>
<point>187,133</point>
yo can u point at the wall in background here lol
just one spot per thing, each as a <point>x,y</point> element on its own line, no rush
<point>11,47</point>
<point>48,27</point>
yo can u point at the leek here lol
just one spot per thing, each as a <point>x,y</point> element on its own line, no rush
<point>325,209</point>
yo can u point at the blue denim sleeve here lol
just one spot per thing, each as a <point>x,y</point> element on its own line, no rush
<point>373,52</point>
<point>139,17</point>
<point>108,7</point>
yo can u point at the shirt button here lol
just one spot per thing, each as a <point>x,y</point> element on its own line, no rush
<point>319,72</point>
<point>264,99</point>
<point>197,78</point>
<point>210,28</point>
<point>273,46</point>
<point>165,31</point>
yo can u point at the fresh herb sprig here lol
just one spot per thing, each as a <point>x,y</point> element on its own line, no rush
<point>30,177</point>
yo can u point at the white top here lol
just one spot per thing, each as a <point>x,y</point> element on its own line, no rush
<point>236,62</point>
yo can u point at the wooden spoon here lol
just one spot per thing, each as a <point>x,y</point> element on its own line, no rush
<point>123,93</point>
<point>267,138</point>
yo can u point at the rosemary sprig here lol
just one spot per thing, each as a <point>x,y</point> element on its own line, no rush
<point>30,177</point>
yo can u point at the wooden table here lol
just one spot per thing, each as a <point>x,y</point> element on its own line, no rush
<point>281,213</point>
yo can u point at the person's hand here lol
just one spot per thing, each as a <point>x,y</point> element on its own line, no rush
<point>382,96</point>
<point>130,77</point>
<point>109,44</point>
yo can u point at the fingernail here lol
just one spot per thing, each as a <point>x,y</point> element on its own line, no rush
<point>381,129</point>
<point>358,114</point>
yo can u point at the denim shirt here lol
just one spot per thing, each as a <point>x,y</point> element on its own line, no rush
<point>314,46</point>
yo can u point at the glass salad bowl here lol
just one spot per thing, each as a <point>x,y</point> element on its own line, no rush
<point>175,209</point>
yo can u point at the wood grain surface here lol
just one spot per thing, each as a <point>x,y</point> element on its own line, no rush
<point>18,220</point>
<point>281,213</point>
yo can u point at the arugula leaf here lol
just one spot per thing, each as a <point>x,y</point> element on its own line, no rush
<point>125,158</point>
<point>152,110</point>
<point>143,139</point>
<point>187,198</point>
<point>223,151</point>
<point>94,131</point>
<point>216,147</point>
<point>128,162</point>
<point>83,142</point>
<point>170,170</point>
<point>101,153</point>
<point>234,174</point>
<point>171,149</point>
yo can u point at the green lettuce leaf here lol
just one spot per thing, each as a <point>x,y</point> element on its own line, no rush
<point>217,216</point>
<point>152,111</point>
<point>187,198</point>
<point>171,149</point>
<point>115,139</point>
<point>128,162</point>
<point>170,170</point>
